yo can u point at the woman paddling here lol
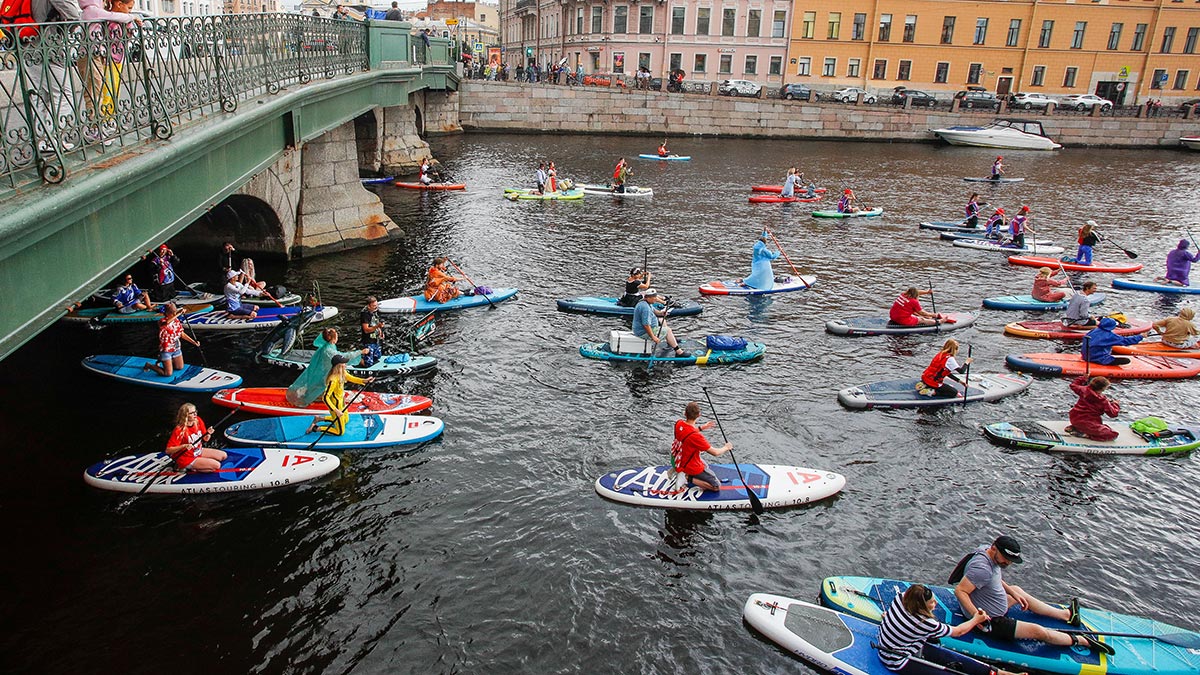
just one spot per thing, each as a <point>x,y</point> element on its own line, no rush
<point>846,203</point>
<point>1087,416</point>
<point>1088,239</point>
<point>972,211</point>
<point>1179,331</point>
<point>1018,226</point>
<point>906,310</point>
<point>995,224</point>
<point>1044,285</point>
<point>1179,265</point>
<point>170,352</point>
<point>637,281</point>
<point>944,364</point>
<point>311,383</point>
<point>186,445</point>
<point>761,276</point>
<point>334,398</point>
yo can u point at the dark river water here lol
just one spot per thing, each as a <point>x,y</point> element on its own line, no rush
<point>489,551</point>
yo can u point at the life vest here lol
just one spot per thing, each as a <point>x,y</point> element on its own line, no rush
<point>18,12</point>
<point>972,209</point>
<point>937,371</point>
<point>617,171</point>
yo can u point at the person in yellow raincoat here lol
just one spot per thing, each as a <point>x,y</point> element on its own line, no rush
<point>335,398</point>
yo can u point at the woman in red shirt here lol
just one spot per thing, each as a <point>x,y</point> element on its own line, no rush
<point>907,311</point>
<point>186,443</point>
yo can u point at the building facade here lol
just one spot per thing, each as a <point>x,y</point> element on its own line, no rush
<point>1124,50</point>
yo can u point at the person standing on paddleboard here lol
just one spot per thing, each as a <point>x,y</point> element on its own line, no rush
<point>762,276</point>
<point>997,168</point>
<point>170,351</point>
<point>163,263</point>
<point>540,178</point>
<point>980,586</point>
<point>689,443</point>
<point>645,323</point>
<point>1079,308</point>
<point>907,310</point>
<point>637,281</point>
<point>1088,238</point>
<point>372,332</point>
<point>186,444</point>
<point>1018,226</point>
<point>789,183</point>
<point>943,365</point>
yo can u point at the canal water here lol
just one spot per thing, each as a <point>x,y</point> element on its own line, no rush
<point>489,551</point>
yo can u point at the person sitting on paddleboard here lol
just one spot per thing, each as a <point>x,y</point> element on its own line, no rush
<point>1079,308</point>
<point>908,630</point>
<point>944,364</point>
<point>186,445</point>
<point>1087,415</point>
<point>995,224</point>
<point>982,587</point>
<point>761,276</point>
<point>1018,226</point>
<point>1098,344</point>
<point>128,298</point>
<point>662,149</point>
<point>1044,285</point>
<point>426,171</point>
<point>440,285</point>
<point>1179,265</point>
<point>997,168</point>
<point>846,203</point>
<point>540,177</point>
<point>334,398</point>
<point>637,281</point>
<point>689,443</point>
<point>235,288</point>
<point>1179,331</point>
<point>645,323</point>
<point>972,211</point>
<point>907,311</point>
<point>1087,241</point>
<point>789,183</point>
<point>810,188</point>
<point>170,353</point>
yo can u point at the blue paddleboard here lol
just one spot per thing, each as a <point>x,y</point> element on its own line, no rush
<point>362,431</point>
<point>697,353</point>
<point>608,306</point>
<point>418,304</point>
<point>831,641</point>
<point>377,181</point>
<point>950,226</point>
<point>131,369</point>
<point>1026,302</point>
<point>109,315</point>
<point>668,158</point>
<point>1154,287</point>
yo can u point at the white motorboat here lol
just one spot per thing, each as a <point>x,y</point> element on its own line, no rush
<point>1006,133</point>
<point>1190,142</point>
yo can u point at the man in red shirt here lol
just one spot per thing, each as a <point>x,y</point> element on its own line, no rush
<point>688,445</point>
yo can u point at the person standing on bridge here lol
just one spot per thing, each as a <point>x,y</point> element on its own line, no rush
<point>48,76</point>
<point>394,14</point>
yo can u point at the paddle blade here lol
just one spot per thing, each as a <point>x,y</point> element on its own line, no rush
<point>755,502</point>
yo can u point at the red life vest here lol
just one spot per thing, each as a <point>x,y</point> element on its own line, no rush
<point>937,371</point>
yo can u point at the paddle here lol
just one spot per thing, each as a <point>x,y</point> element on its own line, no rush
<point>755,502</point>
<point>195,339</point>
<point>917,659</point>
<point>1185,640</point>
<point>967,376</point>
<point>785,257</point>
<point>937,320</point>
<point>1065,276</point>
<point>1130,254</point>
<point>491,304</point>
<point>1191,236</point>
<point>171,460</point>
<point>1087,365</point>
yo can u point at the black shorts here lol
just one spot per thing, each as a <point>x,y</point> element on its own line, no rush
<point>1000,627</point>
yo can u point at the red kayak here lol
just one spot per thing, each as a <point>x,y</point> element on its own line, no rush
<point>273,401</point>
<point>1053,263</point>
<point>1054,330</point>
<point>778,188</point>
<point>778,199</point>
<point>432,186</point>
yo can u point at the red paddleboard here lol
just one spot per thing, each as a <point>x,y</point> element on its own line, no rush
<point>778,199</point>
<point>432,186</point>
<point>1157,349</point>
<point>273,401</point>
<point>1054,330</point>
<point>1053,263</point>
<point>1140,367</point>
<point>779,188</point>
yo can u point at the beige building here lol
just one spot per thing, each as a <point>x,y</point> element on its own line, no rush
<point>1123,50</point>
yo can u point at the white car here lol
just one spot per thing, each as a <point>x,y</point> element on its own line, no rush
<point>1085,101</point>
<point>1028,101</point>
<point>739,88</point>
<point>848,94</point>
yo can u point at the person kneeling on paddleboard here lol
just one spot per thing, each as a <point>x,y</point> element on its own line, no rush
<point>662,149</point>
<point>908,628</point>
<point>761,276</point>
<point>637,281</point>
<point>689,443</point>
<point>1179,331</point>
<point>907,311</point>
<point>170,351</point>
<point>439,284</point>
<point>972,211</point>
<point>995,224</point>
<point>1179,265</point>
<point>981,586</point>
<point>943,365</point>
<point>645,323</point>
<point>1098,344</point>
<point>186,443</point>
<point>1087,415</point>
<point>1079,308</point>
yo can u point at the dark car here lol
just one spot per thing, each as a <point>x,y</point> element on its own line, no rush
<point>918,97</point>
<point>795,91</point>
<point>977,99</point>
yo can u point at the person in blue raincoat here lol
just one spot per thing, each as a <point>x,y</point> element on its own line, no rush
<point>311,383</point>
<point>761,276</point>
<point>1098,344</point>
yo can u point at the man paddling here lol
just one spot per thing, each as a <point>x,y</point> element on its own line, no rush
<point>1079,308</point>
<point>645,323</point>
<point>689,443</point>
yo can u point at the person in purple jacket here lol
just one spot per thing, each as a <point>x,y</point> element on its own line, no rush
<point>1179,265</point>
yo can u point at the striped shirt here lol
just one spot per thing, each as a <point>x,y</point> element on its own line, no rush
<point>902,635</point>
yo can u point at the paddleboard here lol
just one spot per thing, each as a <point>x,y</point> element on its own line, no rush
<point>546,196</point>
<point>1157,348</point>
<point>867,213</point>
<point>829,640</point>
<point>431,186</point>
<point>903,393</point>
<point>865,597</point>
<point>996,247</point>
<point>979,236</point>
<point>668,158</point>
<point>949,226</point>
<point>778,189</point>
<point>110,316</point>
<point>781,285</point>
<point>881,325</point>
<point>1141,367</point>
<point>1154,287</point>
<point>267,317</point>
<point>1027,302</point>
<point>243,469</point>
<point>777,199</point>
<point>608,306</point>
<point>263,301</point>
<point>417,304</point>
<point>697,354</point>
<point>362,431</point>
<point>131,369</point>
<point>1054,263</point>
<point>630,191</point>
<point>184,297</point>
<point>273,401</point>
<point>391,364</point>
<point>1055,330</point>
<point>377,181</point>
<point>775,486</point>
<point>1053,436</point>
<point>993,180</point>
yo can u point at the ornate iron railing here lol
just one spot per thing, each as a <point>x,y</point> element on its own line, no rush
<point>72,92</point>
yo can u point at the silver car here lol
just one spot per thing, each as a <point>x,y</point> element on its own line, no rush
<point>848,94</point>
<point>739,88</point>
<point>1028,101</point>
<point>1084,101</point>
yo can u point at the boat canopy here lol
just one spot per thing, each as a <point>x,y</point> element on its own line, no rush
<point>1026,126</point>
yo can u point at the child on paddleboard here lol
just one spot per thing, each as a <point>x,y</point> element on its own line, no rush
<point>1087,416</point>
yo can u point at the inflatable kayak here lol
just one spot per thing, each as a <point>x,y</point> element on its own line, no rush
<point>866,597</point>
<point>417,304</point>
<point>1053,436</point>
<point>949,226</point>
<point>697,353</point>
<point>1157,348</point>
<point>1154,287</point>
<point>377,181</point>
<point>775,486</point>
<point>267,317</point>
<point>778,189</point>
<point>668,158</point>
<point>110,316</point>
<point>989,179</point>
<point>1141,367</point>
<point>431,186</point>
<point>607,190</point>
<point>608,306</point>
<point>1054,263</point>
<point>391,364</point>
<point>997,247</point>
<point>980,236</point>
<point>831,641</point>
<point>779,199</point>
<point>1055,330</point>
<point>362,431</point>
<point>184,297</point>
<point>132,369</point>
<point>781,285</point>
<point>273,401</point>
<point>243,469</point>
<point>903,393</point>
<point>1028,303</point>
<point>866,213</point>
<point>881,325</point>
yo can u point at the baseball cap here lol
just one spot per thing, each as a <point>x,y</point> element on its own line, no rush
<point>1009,547</point>
<point>232,274</point>
<point>649,293</point>
<point>339,358</point>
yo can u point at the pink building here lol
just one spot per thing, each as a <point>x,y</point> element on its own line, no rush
<point>734,39</point>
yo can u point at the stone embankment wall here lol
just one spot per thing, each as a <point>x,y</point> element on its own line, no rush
<point>507,106</point>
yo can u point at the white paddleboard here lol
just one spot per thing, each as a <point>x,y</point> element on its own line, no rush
<point>1035,249</point>
<point>244,469</point>
<point>775,486</point>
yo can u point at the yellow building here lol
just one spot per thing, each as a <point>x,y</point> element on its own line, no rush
<point>1124,50</point>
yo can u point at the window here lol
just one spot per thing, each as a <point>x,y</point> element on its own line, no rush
<point>1044,38</point>
<point>579,21</point>
<point>942,74</point>
<point>981,30</point>
<point>1014,33</point>
<point>645,20</point>
<point>1139,38</point>
<point>809,29</point>
<point>835,25</point>
<point>880,71</point>
<point>676,61</point>
<point>1069,77</point>
<point>678,14</point>
<point>1114,35</point>
<point>700,63</point>
<point>804,65</point>
<point>859,32</point>
<point>1077,37</point>
<point>754,23</point>
<point>885,27</point>
<point>1189,46</point>
<point>728,21</point>
<point>595,62</point>
<point>779,24</point>
<point>904,71</point>
<point>776,67</point>
<point>1181,79</point>
<point>854,68</point>
<point>597,16</point>
<point>621,20</point>
<point>948,30</point>
<point>725,66</point>
<point>1168,38</point>
<point>644,60</point>
<point>910,28</point>
<point>751,67</point>
<point>974,71</point>
<point>702,14</point>
<point>1039,76</point>
<point>1160,76</point>
<point>830,67</point>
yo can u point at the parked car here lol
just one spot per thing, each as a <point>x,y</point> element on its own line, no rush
<point>918,97</point>
<point>1027,100</point>
<point>975,98</point>
<point>1085,101</point>
<point>849,94</point>
<point>739,88</point>
<point>803,92</point>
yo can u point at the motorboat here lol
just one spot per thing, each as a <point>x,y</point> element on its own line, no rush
<point>1190,142</point>
<point>1003,132</point>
